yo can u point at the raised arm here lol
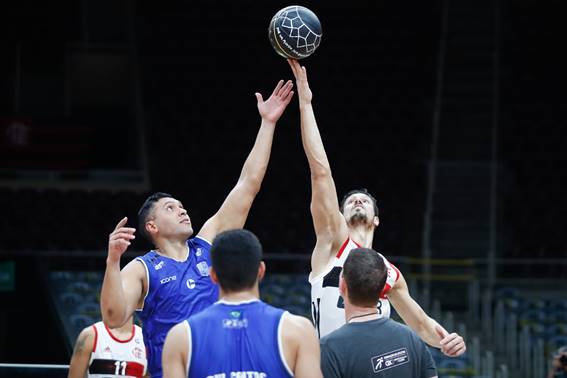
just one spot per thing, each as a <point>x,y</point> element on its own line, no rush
<point>81,357</point>
<point>330,226</point>
<point>122,291</point>
<point>234,210</point>
<point>427,328</point>
<point>175,352</point>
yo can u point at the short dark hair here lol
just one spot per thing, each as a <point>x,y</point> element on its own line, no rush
<point>363,191</point>
<point>146,210</point>
<point>364,272</point>
<point>236,256</point>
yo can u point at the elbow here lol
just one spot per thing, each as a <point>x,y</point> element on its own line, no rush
<point>111,319</point>
<point>320,171</point>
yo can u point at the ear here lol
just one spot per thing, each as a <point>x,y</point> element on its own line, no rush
<point>261,271</point>
<point>214,276</point>
<point>151,228</point>
<point>376,221</point>
<point>343,290</point>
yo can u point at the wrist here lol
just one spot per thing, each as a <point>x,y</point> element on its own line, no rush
<point>305,105</point>
<point>112,260</point>
<point>268,122</point>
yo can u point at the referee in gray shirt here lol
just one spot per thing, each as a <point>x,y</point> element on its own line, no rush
<point>369,346</point>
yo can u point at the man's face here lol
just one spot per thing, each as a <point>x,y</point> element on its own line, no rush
<point>169,219</point>
<point>358,209</point>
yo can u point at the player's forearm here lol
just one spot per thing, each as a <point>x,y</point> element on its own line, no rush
<point>426,331</point>
<point>112,298</point>
<point>312,142</point>
<point>256,164</point>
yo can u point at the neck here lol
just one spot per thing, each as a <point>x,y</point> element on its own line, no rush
<point>123,332</point>
<point>175,249</point>
<point>362,235</point>
<point>359,314</point>
<point>240,296</point>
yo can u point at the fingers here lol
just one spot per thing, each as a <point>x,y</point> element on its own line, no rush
<point>295,68</point>
<point>462,349</point>
<point>259,97</point>
<point>441,332</point>
<point>288,98</point>
<point>122,235</point>
<point>121,223</point>
<point>285,89</point>
<point>453,345</point>
<point>278,87</point>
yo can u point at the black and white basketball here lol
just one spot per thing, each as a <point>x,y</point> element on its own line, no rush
<point>295,32</point>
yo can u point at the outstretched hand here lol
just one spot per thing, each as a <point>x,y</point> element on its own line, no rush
<point>300,73</point>
<point>452,344</point>
<point>119,239</point>
<point>272,109</point>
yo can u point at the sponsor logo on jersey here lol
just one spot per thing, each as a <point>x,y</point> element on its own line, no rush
<point>235,323</point>
<point>138,353</point>
<point>159,266</point>
<point>240,374</point>
<point>389,360</point>
<point>190,283</point>
<point>199,251</point>
<point>203,268</point>
<point>107,350</point>
<point>167,279</point>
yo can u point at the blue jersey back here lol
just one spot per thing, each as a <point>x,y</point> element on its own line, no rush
<point>176,290</point>
<point>237,340</point>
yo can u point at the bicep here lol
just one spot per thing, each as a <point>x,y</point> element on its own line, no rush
<point>327,218</point>
<point>81,354</point>
<point>134,285</point>
<point>308,355</point>
<point>175,352</point>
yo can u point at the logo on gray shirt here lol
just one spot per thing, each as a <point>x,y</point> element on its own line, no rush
<point>389,360</point>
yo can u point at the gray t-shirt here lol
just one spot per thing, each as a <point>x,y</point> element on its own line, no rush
<point>381,348</point>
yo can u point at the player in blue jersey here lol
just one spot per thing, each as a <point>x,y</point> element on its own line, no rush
<point>172,282</point>
<point>241,336</point>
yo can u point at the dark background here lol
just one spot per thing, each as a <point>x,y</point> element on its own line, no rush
<point>96,76</point>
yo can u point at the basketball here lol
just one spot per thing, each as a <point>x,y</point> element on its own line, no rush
<point>295,32</point>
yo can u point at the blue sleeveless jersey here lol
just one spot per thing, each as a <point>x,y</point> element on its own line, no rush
<point>237,340</point>
<point>176,290</point>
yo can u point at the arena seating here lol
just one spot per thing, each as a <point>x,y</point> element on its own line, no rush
<point>76,295</point>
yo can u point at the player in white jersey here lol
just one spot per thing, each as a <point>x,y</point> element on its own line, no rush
<point>326,297</point>
<point>353,222</point>
<point>101,352</point>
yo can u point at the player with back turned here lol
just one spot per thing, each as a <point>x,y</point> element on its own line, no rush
<point>241,336</point>
<point>171,282</point>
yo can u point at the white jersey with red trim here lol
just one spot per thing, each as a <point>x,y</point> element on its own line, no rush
<point>327,306</point>
<point>112,357</point>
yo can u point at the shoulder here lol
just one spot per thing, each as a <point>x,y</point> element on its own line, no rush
<point>399,330</point>
<point>88,332</point>
<point>179,331</point>
<point>296,327</point>
<point>86,340</point>
<point>137,267</point>
<point>199,240</point>
<point>337,336</point>
<point>296,321</point>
